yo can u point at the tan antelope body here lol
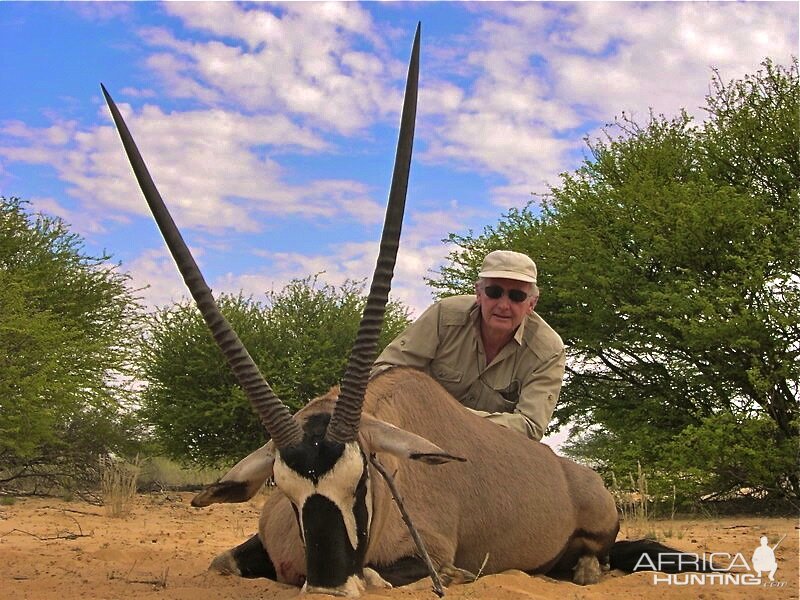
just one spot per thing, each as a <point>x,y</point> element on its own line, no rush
<point>512,499</point>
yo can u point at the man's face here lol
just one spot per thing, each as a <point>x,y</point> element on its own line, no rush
<point>502,315</point>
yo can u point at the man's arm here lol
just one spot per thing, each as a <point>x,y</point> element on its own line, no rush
<point>415,347</point>
<point>537,400</point>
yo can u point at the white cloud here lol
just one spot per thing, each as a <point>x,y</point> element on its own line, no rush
<point>614,56</point>
<point>155,272</point>
<point>100,11</point>
<point>521,194</point>
<point>78,222</point>
<point>539,70</point>
<point>440,97</point>
<point>421,253</point>
<point>350,261</point>
<point>300,60</point>
<point>132,92</point>
<point>206,163</point>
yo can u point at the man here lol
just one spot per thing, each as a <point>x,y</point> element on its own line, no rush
<point>490,351</point>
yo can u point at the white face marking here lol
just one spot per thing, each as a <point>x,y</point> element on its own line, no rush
<point>338,485</point>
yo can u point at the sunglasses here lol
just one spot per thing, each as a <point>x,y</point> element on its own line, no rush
<point>495,291</point>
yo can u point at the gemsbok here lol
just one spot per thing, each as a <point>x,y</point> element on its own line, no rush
<point>483,498</point>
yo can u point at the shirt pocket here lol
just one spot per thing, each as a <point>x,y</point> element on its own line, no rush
<point>494,400</point>
<point>446,373</point>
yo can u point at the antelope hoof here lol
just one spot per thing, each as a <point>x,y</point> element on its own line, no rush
<point>346,591</point>
<point>225,564</point>
<point>587,571</point>
<point>374,580</point>
<point>450,574</point>
<point>354,586</point>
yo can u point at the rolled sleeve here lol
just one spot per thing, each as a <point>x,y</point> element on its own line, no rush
<point>539,394</point>
<point>516,421</point>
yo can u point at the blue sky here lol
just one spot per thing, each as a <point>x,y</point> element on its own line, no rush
<point>270,128</point>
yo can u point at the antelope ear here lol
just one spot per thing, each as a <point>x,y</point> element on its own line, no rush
<point>243,481</point>
<point>380,436</point>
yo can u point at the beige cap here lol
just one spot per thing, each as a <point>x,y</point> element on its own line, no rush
<point>505,264</point>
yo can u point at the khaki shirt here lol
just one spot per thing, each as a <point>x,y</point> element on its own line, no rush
<point>519,389</point>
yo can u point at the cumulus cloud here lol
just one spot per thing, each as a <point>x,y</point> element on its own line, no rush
<point>78,222</point>
<point>421,253</point>
<point>208,164</point>
<point>539,73</point>
<point>302,59</point>
<point>156,277</point>
<point>100,11</point>
<point>351,261</point>
<point>660,55</point>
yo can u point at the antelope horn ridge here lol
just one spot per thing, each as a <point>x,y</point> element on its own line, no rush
<point>274,415</point>
<point>344,422</point>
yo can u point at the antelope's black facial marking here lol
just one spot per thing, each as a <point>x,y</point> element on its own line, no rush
<point>330,558</point>
<point>329,562</point>
<point>315,455</point>
<point>328,485</point>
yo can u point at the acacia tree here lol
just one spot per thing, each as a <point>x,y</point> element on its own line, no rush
<point>669,264</point>
<point>68,325</point>
<point>300,337</point>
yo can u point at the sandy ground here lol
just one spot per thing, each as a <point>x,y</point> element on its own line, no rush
<point>51,549</point>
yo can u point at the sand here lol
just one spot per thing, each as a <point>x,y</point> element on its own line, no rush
<point>51,549</point>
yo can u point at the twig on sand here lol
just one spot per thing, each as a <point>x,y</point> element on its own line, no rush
<point>80,529</point>
<point>61,535</point>
<point>67,535</point>
<point>158,582</point>
<point>80,512</point>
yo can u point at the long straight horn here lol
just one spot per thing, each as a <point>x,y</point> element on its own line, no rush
<point>343,426</point>
<point>273,413</point>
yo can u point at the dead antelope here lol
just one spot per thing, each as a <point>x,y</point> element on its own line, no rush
<point>512,499</point>
<point>497,501</point>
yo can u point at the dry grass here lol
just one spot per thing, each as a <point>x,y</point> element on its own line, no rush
<point>636,506</point>
<point>161,473</point>
<point>118,485</point>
